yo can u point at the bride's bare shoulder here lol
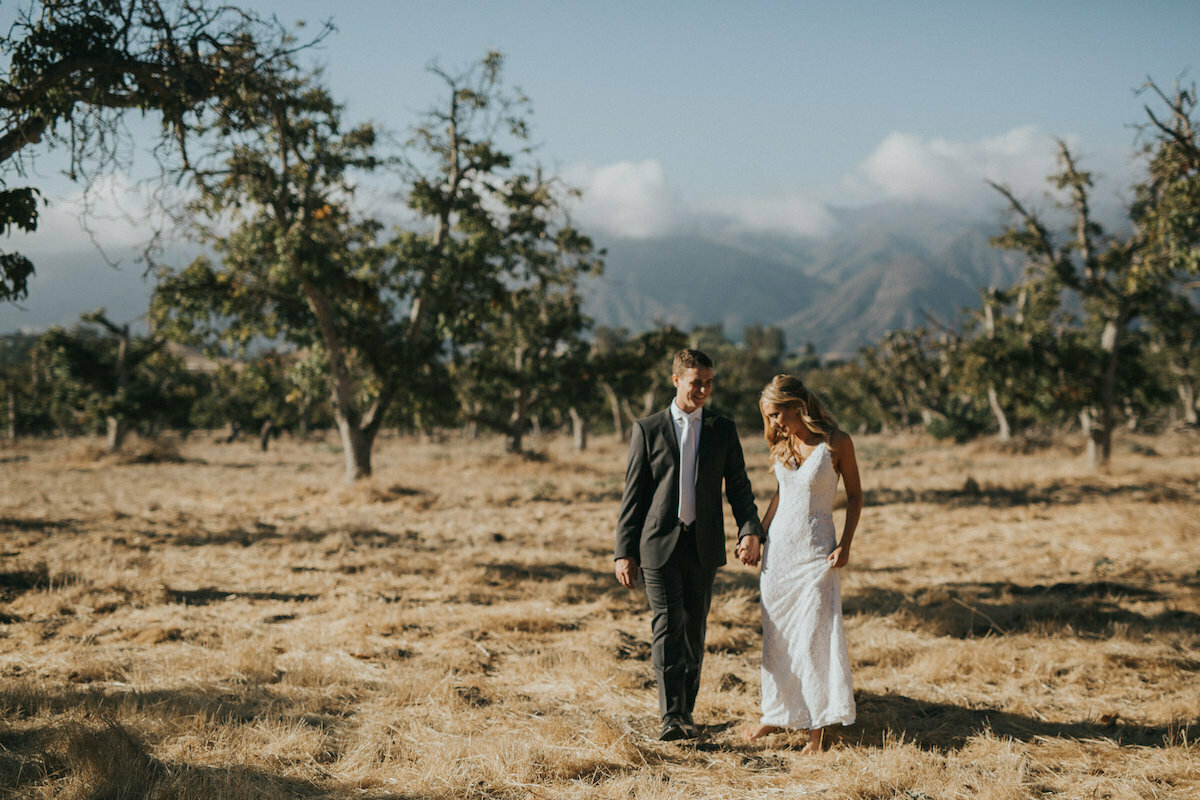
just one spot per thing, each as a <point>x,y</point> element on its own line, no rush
<point>839,443</point>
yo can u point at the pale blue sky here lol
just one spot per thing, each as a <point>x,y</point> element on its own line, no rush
<point>763,115</point>
<point>742,98</point>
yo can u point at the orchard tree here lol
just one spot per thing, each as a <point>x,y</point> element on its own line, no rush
<point>633,369</point>
<point>530,355</point>
<point>72,68</point>
<point>1119,280</point>
<point>301,265</point>
<point>294,260</point>
<point>1167,210</point>
<point>1013,358</point>
<point>256,395</point>
<point>1099,269</point>
<point>101,376</point>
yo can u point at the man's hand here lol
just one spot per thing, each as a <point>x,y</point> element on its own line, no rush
<point>627,572</point>
<point>749,549</point>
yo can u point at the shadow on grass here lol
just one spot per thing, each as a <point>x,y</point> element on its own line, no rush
<point>34,524</point>
<point>108,760</point>
<point>1094,609</point>
<point>1057,493</point>
<point>18,582</point>
<point>209,595</point>
<point>729,580</point>
<point>942,726</point>
<point>561,582</point>
<point>251,703</point>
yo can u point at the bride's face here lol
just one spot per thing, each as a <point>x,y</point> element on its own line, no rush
<point>786,420</point>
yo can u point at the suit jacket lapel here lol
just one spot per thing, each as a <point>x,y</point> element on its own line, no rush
<point>669,435</point>
<point>708,435</point>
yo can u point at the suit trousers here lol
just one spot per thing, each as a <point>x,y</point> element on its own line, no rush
<point>680,593</point>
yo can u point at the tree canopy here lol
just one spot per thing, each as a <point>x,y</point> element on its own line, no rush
<point>72,68</point>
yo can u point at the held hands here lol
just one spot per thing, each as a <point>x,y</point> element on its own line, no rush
<point>840,557</point>
<point>749,550</point>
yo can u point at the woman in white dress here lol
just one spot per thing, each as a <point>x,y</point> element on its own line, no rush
<point>805,666</point>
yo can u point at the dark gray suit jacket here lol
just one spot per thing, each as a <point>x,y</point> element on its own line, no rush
<point>648,525</point>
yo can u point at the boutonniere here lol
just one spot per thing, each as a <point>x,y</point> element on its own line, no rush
<point>709,420</point>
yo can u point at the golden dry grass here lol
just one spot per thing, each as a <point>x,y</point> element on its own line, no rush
<point>209,621</point>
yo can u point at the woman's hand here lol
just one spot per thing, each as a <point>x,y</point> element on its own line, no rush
<point>749,550</point>
<point>840,557</point>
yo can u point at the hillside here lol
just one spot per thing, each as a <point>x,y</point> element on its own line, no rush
<point>885,267</point>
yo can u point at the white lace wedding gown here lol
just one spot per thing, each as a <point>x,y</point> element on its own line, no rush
<point>805,666</point>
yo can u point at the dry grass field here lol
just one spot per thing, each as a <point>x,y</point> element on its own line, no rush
<point>234,624</point>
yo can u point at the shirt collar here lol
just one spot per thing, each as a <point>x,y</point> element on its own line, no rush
<point>679,415</point>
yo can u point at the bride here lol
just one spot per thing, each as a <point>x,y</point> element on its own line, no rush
<point>805,666</point>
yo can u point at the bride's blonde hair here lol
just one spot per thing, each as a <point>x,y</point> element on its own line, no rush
<point>788,391</point>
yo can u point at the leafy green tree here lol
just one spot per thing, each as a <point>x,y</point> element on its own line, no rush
<point>531,355</point>
<point>299,265</point>
<point>1167,211</point>
<point>1119,280</point>
<point>296,263</point>
<point>74,67</point>
<point>101,376</point>
<point>1011,357</point>
<point>18,384</point>
<point>495,274</point>
<point>257,395</point>
<point>1098,269</point>
<point>633,369</point>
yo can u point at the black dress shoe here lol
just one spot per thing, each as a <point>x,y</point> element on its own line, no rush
<point>689,727</point>
<point>672,731</point>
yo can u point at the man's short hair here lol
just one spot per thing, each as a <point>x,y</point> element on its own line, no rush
<point>690,359</point>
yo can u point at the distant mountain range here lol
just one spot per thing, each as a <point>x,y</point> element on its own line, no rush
<point>884,267</point>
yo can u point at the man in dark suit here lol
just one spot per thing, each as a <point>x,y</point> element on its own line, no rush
<point>671,526</point>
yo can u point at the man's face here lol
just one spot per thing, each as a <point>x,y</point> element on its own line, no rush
<point>693,388</point>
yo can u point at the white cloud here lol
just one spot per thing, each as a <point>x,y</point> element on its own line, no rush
<point>628,198</point>
<point>789,213</point>
<point>113,213</point>
<point>906,167</point>
<point>634,199</point>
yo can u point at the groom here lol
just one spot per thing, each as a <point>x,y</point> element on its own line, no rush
<point>671,525</point>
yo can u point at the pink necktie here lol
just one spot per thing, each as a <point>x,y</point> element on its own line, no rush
<point>687,473</point>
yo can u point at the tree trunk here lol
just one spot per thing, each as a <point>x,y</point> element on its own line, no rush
<point>648,402</point>
<point>1093,435</point>
<point>264,435</point>
<point>998,412</point>
<point>628,409</point>
<point>117,426</point>
<point>356,441</point>
<point>356,446</point>
<point>614,406</point>
<point>579,429</point>
<point>234,430</point>
<point>515,437</point>
<point>1108,391</point>
<point>1187,396</point>
<point>12,414</point>
<point>117,430</point>
<point>302,422</point>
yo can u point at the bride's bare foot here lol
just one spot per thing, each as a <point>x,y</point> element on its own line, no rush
<point>819,740</point>
<point>752,732</point>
